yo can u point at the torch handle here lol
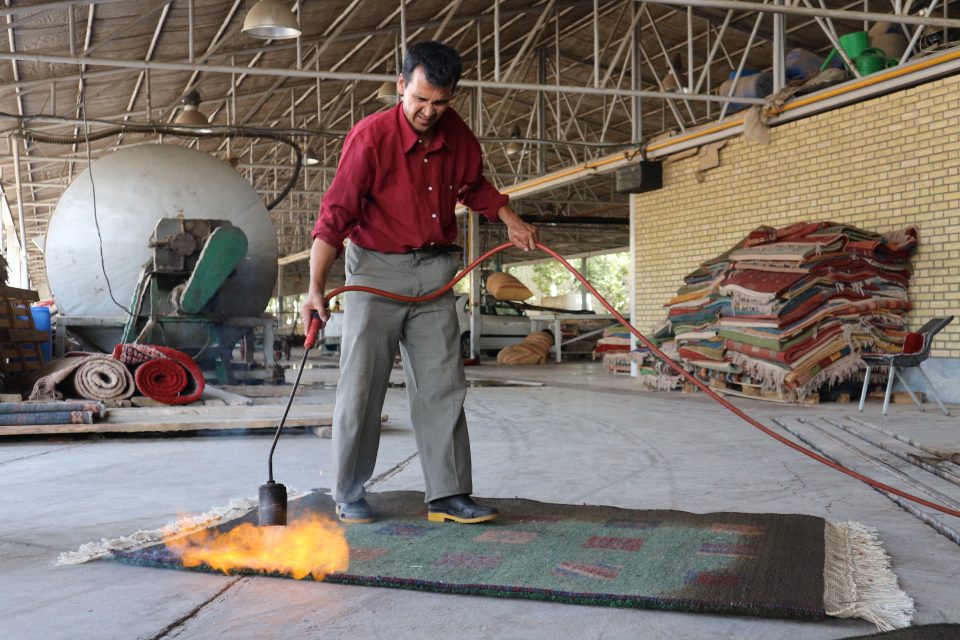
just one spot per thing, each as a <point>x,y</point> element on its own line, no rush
<point>313,331</point>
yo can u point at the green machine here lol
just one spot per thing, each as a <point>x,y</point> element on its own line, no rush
<point>175,301</point>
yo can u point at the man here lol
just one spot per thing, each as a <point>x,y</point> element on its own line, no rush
<point>400,176</point>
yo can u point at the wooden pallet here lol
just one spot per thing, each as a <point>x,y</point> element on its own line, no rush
<point>20,340</point>
<point>754,391</point>
<point>167,420</point>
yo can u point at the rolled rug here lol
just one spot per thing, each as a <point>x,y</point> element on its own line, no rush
<point>46,417</point>
<point>96,409</point>
<point>161,378</point>
<point>103,378</point>
<point>172,379</point>
<point>94,377</point>
<point>135,354</point>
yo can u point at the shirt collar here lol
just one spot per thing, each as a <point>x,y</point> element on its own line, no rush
<point>409,138</point>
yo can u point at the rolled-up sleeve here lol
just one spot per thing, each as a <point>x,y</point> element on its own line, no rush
<point>342,204</point>
<point>476,192</point>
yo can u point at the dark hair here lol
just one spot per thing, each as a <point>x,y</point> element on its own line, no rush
<point>441,64</point>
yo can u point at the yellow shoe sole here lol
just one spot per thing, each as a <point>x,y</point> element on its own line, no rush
<point>438,516</point>
<point>354,520</point>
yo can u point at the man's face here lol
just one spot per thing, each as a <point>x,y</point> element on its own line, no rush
<point>423,103</point>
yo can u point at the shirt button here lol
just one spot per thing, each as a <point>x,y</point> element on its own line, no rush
<point>420,140</point>
<point>432,243</point>
<point>434,215</point>
<point>429,188</point>
<point>425,160</point>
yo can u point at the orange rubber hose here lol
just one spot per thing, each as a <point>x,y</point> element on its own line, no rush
<point>674,365</point>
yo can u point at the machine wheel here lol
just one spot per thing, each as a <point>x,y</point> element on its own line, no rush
<point>465,345</point>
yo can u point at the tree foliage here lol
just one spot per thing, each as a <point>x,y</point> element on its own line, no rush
<point>609,274</point>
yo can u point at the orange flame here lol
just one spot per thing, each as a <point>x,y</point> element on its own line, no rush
<point>311,546</point>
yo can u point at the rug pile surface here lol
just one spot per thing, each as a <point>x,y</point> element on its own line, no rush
<point>772,565</point>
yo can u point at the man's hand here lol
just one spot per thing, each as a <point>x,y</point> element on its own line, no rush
<point>322,256</point>
<point>521,234</point>
<point>314,302</point>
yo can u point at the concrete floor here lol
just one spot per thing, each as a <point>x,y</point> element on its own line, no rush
<point>584,437</point>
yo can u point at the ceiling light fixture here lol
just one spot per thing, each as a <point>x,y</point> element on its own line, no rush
<point>190,114</point>
<point>310,158</point>
<point>514,148</point>
<point>271,19</point>
<point>387,93</point>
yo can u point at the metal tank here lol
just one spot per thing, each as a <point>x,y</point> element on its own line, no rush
<point>134,188</point>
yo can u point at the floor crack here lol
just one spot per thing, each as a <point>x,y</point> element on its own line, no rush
<point>176,624</point>
<point>43,453</point>
<point>392,471</point>
<point>25,543</point>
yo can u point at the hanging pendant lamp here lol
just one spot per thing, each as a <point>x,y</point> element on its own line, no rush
<point>514,148</point>
<point>190,114</point>
<point>387,93</point>
<point>271,19</point>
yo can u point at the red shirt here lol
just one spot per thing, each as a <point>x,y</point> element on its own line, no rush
<point>392,194</point>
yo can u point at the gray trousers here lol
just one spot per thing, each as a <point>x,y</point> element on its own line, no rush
<point>428,335</point>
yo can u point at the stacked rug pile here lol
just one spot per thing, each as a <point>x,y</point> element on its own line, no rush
<point>614,349</point>
<point>790,309</point>
<point>160,373</point>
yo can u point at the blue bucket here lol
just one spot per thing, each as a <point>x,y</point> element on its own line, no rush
<point>41,320</point>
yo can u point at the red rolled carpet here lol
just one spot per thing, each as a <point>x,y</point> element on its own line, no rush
<point>164,374</point>
<point>162,377</point>
<point>186,366</point>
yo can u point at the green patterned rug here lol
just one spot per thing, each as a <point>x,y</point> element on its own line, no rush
<point>775,565</point>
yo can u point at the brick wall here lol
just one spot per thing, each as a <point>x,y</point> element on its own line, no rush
<point>883,164</point>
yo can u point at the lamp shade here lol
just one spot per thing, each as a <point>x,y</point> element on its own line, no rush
<point>310,158</point>
<point>271,19</point>
<point>190,115</point>
<point>514,147</point>
<point>387,93</point>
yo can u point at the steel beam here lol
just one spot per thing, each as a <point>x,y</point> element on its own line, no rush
<point>743,61</point>
<point>779,35</point>
<point>840,14</point>
<point>24,280</point>
<point>348,76</point>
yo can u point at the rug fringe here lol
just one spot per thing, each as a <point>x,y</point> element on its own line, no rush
<point>770,376</point>
<point>95,550</point>
<point>843,369</point>
<point>858,580</point>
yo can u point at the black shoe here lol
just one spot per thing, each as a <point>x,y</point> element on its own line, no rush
<point>459,509</point>
<point>357,512</point>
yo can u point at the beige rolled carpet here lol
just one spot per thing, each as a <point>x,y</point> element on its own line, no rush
<point>504,286</point>
<point>94,377</point>
<point>533,350</point>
